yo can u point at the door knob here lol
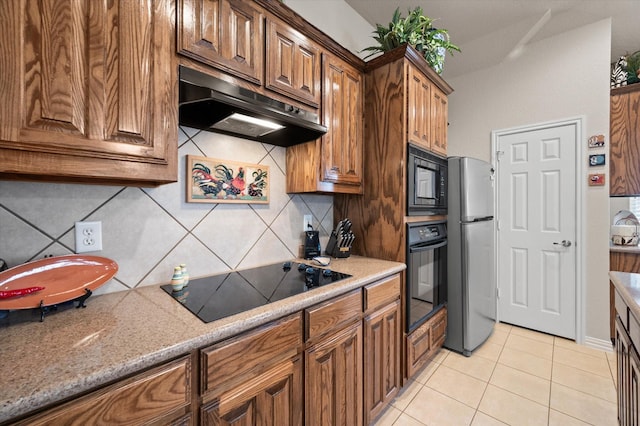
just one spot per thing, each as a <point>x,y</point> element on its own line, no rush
<point>564,243</point>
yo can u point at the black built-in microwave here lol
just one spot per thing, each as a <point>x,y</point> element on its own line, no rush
<point>426,183</point>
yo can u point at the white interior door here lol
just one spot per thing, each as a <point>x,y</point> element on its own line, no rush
<point>537,228</point>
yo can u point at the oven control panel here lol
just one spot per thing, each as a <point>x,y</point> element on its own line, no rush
<point>425,232</point>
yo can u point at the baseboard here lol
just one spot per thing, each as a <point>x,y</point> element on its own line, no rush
<point>603,345</point>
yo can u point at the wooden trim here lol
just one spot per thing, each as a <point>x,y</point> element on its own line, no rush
<point>625,89</point>
<point>412,55</point>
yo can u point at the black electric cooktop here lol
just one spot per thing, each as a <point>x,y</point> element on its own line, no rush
<point>220,296</point>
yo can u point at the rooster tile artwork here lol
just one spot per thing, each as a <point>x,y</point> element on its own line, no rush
<point>222,181</point>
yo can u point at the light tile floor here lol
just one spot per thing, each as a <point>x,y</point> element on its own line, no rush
<point>518,377</point>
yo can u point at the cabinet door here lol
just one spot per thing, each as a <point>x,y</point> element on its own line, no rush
<point>622,360</point>
<point>439,121</point>
<point>343,114</point>
<point>293,64</point>
<point>382,331</point>
<point>424,341</point>
<point>91,90</point>
<point>270,399</point>
<point>634,387</point>
<point>333,381</point>
<point>226,34</point>
<point>625,143</point>
<point>418,109</point>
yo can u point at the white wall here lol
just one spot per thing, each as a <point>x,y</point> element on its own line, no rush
<point>337,19</point>
<point>556,78</point>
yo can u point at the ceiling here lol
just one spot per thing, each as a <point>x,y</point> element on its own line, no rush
<point>490,31</point>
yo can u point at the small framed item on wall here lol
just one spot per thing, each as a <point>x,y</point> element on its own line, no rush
<point>596,141</point>
<point>596,179</point>
<point>597,160</point>
<point>210,180</point>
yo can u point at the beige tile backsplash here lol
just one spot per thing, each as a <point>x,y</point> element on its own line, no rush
<point>148,231</point>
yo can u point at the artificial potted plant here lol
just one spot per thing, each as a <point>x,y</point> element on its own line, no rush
<point>417,30</point>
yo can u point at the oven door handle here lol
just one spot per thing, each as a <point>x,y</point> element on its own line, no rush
<point>417,249</point>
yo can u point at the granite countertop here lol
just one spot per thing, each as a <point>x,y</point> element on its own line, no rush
<point>624,249</point>
<point>628,285</point>
<point>118,334</point>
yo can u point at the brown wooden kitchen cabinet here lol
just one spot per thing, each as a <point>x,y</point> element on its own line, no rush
<point>418,107</point>
<point>333,163</point>
<point>382,343</point>
<point>333,361</point>
<point>439,121</point>
<point>161,395</point>
<point>627,342</point>
<point>293,64</point>
<point>405,102</point>
<point>427,112</point>
<point>226,34</point>
<point>624,130</point>
<point>333,381</point>
<point>425,341</point>
<point>90,91</point>
<point>271,398</point>
<point>623,262</point>
<point>255,378</point>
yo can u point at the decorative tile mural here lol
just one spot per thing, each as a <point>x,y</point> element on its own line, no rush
<point>150,230</point>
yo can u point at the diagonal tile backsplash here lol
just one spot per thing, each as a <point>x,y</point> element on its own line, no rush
<point>148,231</point>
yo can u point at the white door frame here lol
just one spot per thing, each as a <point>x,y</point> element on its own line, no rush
<point>580,220</point>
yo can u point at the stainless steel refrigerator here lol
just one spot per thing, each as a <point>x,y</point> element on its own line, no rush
<point>471,277</point>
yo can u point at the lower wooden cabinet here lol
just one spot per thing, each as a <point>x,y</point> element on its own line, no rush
<point>424,341</point>
<point>273,398</point>
<point>382,380</point>
<point>627,342</point>
<point>333,382</point>
<point>334,363</point>
<point>159,396</point>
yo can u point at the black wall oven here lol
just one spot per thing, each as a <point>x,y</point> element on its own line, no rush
<point>426,286</point>
<point>426,183</point>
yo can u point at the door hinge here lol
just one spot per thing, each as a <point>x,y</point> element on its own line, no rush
<point>498,223</point>
<point>498,292</point>
<point>499,155</point>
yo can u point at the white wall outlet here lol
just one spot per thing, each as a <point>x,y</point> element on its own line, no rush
<point>88,236</point>
<point>307,223</point>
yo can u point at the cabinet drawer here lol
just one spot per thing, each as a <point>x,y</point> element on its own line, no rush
<point>621,309</point>
<point>381,293</point>
<point>152,395</point>
<point>634,330</point>
<point>226,364</point>
<point>333,313</point>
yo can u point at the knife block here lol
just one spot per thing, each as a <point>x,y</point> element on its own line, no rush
<point>333,250</point>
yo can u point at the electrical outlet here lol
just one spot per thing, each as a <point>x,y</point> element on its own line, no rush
<point>307,223</point>
<point>88,236</point>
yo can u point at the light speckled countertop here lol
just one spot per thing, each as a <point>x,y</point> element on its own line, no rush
<point>628,285</point>
<point>624,249</point>
<point>76,350</point>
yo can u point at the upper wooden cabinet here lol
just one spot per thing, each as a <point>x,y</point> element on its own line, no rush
<point>333,163</point>
<point>418,107</point>
<point>226,34</point>
<point>343,114</point>
<point>439,121</point>
<point>89,91</point>
<point>625,141</point>
<point>293,64</point>
<point>427,112</point>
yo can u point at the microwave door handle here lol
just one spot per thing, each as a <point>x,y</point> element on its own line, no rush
<point>427,247</point>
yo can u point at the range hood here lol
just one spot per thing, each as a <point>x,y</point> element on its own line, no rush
<point>212,104</point>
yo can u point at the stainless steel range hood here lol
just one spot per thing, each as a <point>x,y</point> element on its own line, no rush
<point>212,104</point>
